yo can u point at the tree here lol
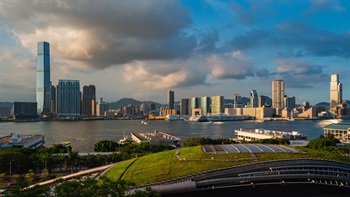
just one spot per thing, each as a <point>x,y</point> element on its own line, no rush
<point>73,159</point>
<point>105,146</point>
<point>29,176</point>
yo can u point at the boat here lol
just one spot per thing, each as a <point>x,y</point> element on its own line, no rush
<point>145,122</point>
<point>124,140</point>
<point>258,134</point>
<point>174,117</point>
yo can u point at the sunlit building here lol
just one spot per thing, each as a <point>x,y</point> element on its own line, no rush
<point>205,105</point>
<point>217,105</point>
<point>277,93</point>
<point>335,92</point>
<point>254,102</point>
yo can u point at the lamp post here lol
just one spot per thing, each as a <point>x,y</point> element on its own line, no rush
<point>11,166</point>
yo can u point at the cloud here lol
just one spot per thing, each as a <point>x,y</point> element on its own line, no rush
<point>325,5</point>
<point>234,65</point>
<point>251,39</point>
<point>104,33</point>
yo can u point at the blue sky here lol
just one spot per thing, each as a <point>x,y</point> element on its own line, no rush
<point>140,49</point>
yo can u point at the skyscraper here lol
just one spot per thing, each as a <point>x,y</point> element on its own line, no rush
<point>89,101</point>
<point>217,104</point>
<point>254,98</point>
<point>43,83</point>
<point>184,106</point>
<point>277,93</point>
<point>205,105</point>
<point>335,91</point>
<point>53,99</point>
<point>171,99</point>
<point>68,98</point>
<point>195,102</point>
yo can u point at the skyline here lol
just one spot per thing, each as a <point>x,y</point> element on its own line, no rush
<point>196,48</point>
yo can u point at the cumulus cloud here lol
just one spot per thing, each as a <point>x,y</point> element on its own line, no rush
<point>104,33</point>
<point>234,65</point>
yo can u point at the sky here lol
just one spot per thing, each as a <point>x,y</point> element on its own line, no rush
<point>140,49</point>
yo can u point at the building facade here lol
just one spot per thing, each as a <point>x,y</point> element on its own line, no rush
<point>254,101</point>
<point>53,99</point>
<point>25,110</point>
<point>217,105</point>
<point>289,102</point>
<point>205,105</point>
<point>184,103</point>
<point>277,93</point>
<point>335,92</point>
<point>68,98</point>
<point>89,101</point>
<point>101,107</point>
<point>43,83</point>
<point>171,99</point>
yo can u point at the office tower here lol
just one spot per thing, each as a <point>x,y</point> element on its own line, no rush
<point>277,93</point>
<point>152,106</point>
<point>145,108</point>
<point>195,102</point>
<point>43,83</point>
<point>101,107</point>
<point>184,106</point>
<point>289,102</point>
<point>68,98</point>
<point>236,100</point>
<point>171,99</point>
<point>205,105</point>
<point>253,98</point>
<point>89,101</point>
<point>335,91</point>
<point>217,105</point>
<point>53,99</point>
<point>261,101</point>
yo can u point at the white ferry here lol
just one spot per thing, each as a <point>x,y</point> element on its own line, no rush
<point>257,134</point>
<point>174,117</point>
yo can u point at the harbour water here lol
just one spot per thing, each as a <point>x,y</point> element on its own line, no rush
<point>84,134</point>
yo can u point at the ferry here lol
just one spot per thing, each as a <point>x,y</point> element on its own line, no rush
<point>174,117</point>
<point>258,134</point>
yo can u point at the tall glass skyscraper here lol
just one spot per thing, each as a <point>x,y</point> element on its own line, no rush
<point>171,99</point>
<point>43,83</point>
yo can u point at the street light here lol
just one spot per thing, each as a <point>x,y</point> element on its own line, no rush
<point>11,166</point>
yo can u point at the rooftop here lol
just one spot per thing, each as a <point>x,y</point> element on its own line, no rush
<point>338,126</point>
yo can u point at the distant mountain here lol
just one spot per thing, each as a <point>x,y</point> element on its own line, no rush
<point>126,101</point>
<point>323,104</point>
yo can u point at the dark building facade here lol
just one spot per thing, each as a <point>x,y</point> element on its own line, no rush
<point>25,110</point>
<point>89,101</point>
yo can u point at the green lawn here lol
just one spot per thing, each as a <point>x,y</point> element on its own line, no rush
<point>164,165</point>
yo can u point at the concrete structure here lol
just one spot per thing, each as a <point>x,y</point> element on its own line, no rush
<point>155,138</point>
<point>340,131</point>
<point>217,105</point>
<point>277,93</point>
<point>261,101</point>
<point>89,101</point>
<point>258,112</point>
<point>257,134</point>
<point>43,83</point>
<point>254,101</point>
<point>68,98</point>
<point>25,110</point>
<point>205,105</point>
<point>335,93</point>
<point>171,99</point>
<point>22,141</point>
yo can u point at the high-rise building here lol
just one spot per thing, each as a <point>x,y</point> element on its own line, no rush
<point>261,101</point>
<point>68,98</point>
<point>289,102</point>
<point>205,105</point>
<point>53,99</point>
<point>43,83</point>
<point>335,91</point>
<point>195,102</point>
<point>277,93</point>
<point>25,110</point>
<point>184,106</point>
<point>254,102</point>
<point>217,105</point>
<point>171,99</point>
<point>89,101</point>
<point>101,107</point>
